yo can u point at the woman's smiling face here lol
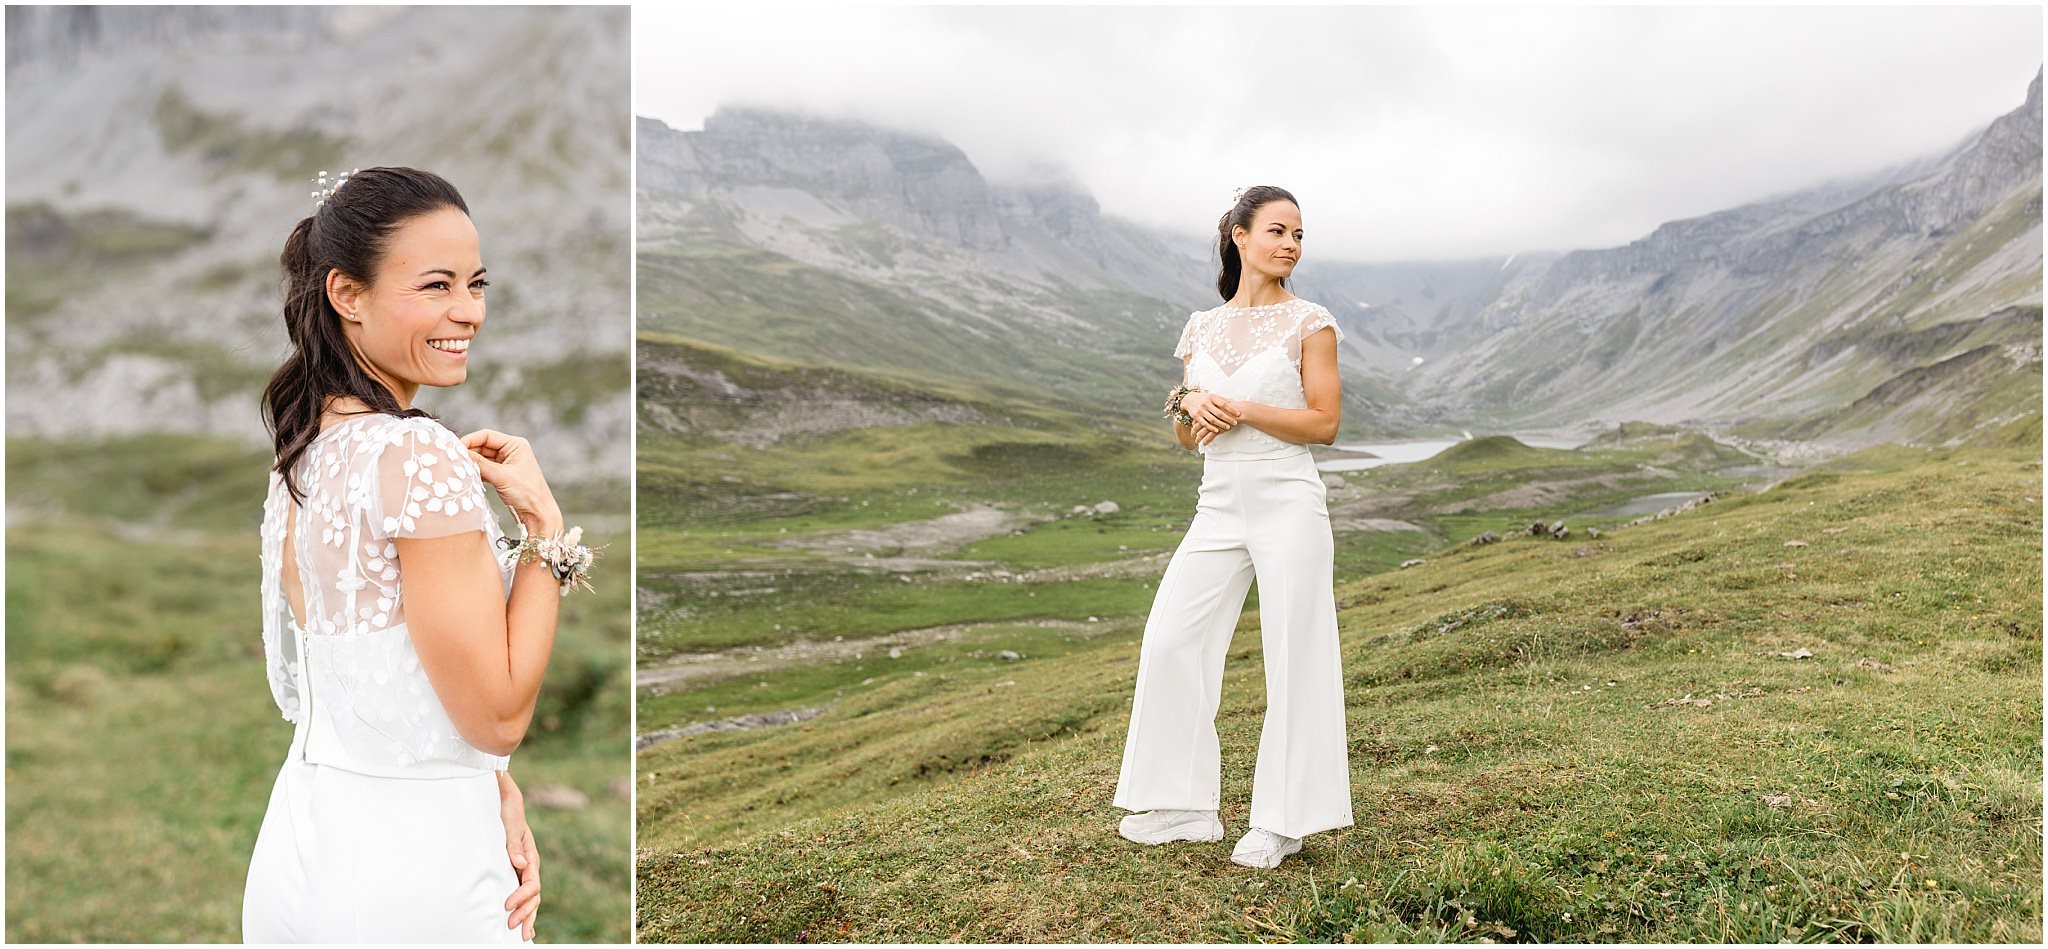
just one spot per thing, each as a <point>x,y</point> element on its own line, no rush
<point>1273,244</point>
<point>412,324</point>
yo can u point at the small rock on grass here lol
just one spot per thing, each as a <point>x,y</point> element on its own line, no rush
<point>1405,564</point>
<point>1685,700</point>
<point>1800,653</point>
<point>1796,543</point>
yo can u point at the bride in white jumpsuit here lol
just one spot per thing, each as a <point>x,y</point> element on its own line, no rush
<point>1261,384</point>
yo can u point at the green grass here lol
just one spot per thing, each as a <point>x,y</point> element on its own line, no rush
<point>1517,770</point>
<point>141,738</point>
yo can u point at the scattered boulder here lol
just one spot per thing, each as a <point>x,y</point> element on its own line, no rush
<point>1593,532</point>
<point>895,652</point>
<point>1107,507</point>
<point>1800,653</point>
<point>1795,543</point>
<point>1405,564</point>
<point>1559,532</point>
<point>1487,538</point>
<point>1007,654</point>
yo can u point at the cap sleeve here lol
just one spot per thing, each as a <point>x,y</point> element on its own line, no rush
<point>1186,346</point>
<point>1318,318</point>
<point>427,485</point>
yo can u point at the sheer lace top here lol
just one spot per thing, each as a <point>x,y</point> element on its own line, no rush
<point>1252,354</point>
<point>367,481</point>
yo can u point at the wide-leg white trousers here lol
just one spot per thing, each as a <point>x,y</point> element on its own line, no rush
<point>1267,519</point>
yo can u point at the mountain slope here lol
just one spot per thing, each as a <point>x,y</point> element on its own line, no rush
<point>1780,309</point>
<point>158,156</point>
<point>838,243</point>
<point>828,241</point>
<point>1556,742</point>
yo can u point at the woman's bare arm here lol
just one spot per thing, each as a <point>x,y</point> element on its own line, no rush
<point>483,651</point>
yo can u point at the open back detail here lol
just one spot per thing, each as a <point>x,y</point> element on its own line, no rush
<point>367,481</point>
<point>1252,354</point>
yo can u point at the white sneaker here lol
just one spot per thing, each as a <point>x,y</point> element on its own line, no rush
<point>1159,827</point>
<point>1263,849</point>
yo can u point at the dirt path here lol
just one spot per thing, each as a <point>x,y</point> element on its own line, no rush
<point>911,545</point>
<point>738,723</point>
<point>684,671</point>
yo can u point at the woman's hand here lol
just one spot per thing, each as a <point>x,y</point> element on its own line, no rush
<point>507,462</point>
<point>1211,413</point>
<point>524,903</point>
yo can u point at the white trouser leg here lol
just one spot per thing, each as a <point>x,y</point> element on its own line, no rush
<point>1171,757</point>
<point>1265,517</point>
<point>1303,781</point>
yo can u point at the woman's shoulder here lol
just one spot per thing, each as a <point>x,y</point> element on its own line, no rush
<point>377,433</point>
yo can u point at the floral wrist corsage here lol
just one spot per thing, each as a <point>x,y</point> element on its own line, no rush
<point>1174,413</point>
<point>563,553</point>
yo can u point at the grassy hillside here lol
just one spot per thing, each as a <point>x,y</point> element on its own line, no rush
<point>141,738</point>
<point>1557,741</point>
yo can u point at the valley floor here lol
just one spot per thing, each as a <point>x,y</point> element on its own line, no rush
<point>1580,740</point>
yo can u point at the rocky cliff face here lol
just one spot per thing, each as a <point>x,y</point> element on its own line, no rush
<point>891,251</point>
<point>808,174</point>
<point>831,241</point>
<point>1718,319</point>
<point>158,156</point>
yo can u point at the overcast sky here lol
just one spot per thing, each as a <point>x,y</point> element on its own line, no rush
<point>1406,133</point>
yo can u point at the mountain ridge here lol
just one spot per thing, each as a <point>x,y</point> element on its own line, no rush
<point>1710,321</point>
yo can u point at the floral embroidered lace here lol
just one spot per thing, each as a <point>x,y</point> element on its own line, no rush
<point>368,480</point>
<point>1252,354</point>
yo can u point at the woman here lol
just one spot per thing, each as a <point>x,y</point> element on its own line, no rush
<point>1259,385</point>
<point>408,655</point>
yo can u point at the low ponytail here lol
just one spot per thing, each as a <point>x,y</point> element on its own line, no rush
<point>1241,214</point>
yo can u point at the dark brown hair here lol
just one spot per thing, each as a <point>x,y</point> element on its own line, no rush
<point>348,232</point>
<point>1241,215</point>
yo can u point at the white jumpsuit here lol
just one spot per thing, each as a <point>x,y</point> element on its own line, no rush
<point>1261,515</point>
<point>383,824</point>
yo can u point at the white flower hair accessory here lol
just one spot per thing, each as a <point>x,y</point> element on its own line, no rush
<point>328,186</point>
